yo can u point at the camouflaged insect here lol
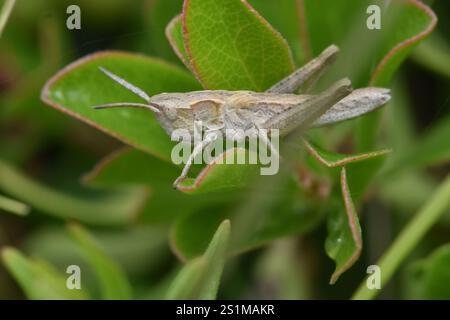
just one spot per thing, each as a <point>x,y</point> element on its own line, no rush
<point>223,112</point>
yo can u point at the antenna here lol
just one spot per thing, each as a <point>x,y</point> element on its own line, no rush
<point>127,105</point>
<point>126,84</point>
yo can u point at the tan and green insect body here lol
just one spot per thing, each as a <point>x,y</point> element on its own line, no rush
<point>220,112</point>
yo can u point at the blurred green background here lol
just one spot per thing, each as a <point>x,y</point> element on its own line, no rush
<point>43,148</point>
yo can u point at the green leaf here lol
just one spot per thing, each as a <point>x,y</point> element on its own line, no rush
<point>174,33</point>
<point>287,17</point>
<point>13,206</point>
<point>107,208</point>
<point>200,278</point>
<point>220,176</point>
<point>277,208</point>
<point>404,24</point>
<point>361,173</point>
<point>130,167</point>
<point>232,47</point>
<point>81,85</point>
<point>344,241</point>
<point>38,280</point>
<point>113,282</point>
<point>437,275</point>
<point>412,21</point>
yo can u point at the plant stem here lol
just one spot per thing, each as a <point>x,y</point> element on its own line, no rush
<point>408,239</point>
<point>13,206</point>
<point>5,13</point>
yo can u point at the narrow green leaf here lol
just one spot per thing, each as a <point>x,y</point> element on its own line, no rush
<point>6,10</point>
<point>110,208</point>
<point>14,206</point>
<point>344,241</point>
<point>185,285</point>
<point>409,238</point>
<point>200,278</point>
<point>232,47</point>
<point>113,282</point>
<point>39,280</point>
<point>81,85</point>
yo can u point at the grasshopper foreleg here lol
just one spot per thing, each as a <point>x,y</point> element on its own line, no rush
<point>198,149</point>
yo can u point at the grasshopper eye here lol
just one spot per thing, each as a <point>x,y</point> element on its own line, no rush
<point>171,113</point>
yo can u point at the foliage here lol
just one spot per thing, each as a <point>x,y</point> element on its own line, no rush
<point>324,196</point>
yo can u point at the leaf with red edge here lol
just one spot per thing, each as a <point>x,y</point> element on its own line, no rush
<point>344,241</point>
<point>232,47</point>
<point>174,33</point>
<point>81,85</point>
<point>223,173</point>
<point>404,24</point>
<point>332,159</point>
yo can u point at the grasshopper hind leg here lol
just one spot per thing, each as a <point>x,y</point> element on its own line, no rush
<point>307,75</point>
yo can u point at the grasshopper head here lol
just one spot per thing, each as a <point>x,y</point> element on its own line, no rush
<point>170,103</point>
<point>174,111</point>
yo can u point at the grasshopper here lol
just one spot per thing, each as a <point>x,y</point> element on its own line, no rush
<point>221,111</point>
